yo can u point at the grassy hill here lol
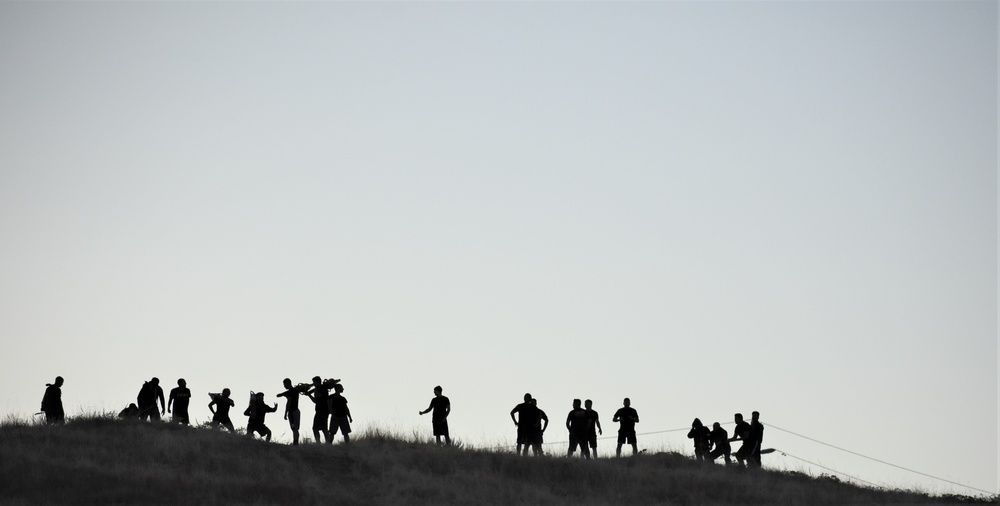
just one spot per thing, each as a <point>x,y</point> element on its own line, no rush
<point>102,460</point>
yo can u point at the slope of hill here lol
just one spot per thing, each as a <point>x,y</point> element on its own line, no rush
<point>102,460</point>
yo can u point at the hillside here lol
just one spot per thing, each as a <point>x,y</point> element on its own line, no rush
<point>102,460</point>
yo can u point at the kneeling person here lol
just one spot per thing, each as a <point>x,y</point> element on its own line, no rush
<point>257,410</point>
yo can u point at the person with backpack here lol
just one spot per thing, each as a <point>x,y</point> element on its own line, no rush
<point>146,400</point>
<point>257,410</point>
<point>52,402</point>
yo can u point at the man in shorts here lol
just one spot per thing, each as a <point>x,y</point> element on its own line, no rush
<point>177,405</point>
<point>593,426</point>
<point>578,423</point>
<point>340,414</point>
<point>439,419</point>
<point>292,413</point>
<point>627,417</point>
<point>220,416</point>
<point>741,433</point>
<point>523,425</point>
<point>538,431</point>
<point>320,395</point>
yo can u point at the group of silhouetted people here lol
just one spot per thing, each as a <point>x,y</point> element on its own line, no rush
<point>582,422</point>
<point>712,444</point>
<point>332,415</point>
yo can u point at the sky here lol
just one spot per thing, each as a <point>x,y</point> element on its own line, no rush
<point>707,207</point>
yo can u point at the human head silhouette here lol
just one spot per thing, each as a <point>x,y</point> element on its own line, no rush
<point>438,390</point>
<point>588,403</point>
<point>59,381</point>
<point>527,397</point>
<point>716,426</point>
<point>738,417</point>
<point>155,380</point>
<point>696,423</point>
<point>317,380</point>
<point>225,392</point>
<point>754,416</point>
<point>287,383</point>
<point>338,388</point>
<point>627,402</point>
<point>181,383</point>
<point>576,403</point>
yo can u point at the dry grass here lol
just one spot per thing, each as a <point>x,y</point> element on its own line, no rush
<point>100,459</point>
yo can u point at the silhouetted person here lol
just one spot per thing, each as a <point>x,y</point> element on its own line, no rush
<point>720,443</point>
<point>257,410</point>
<point>292,413</point>
<point>627,417</point>
<point>523,429</point>
<point>741,433</point>
<point>148,395</point>
<point>340,414</point>
<point>131,411</point>
<point>577,422</point>
<point>702,439</point>
<point>180,397</point>
<point>320,394</point>
<point>755,440</point>
<point>536,436</point>
<point>52,402</point>
<point>441,407</point>
<point>593,426</point>
<point>220,409</point>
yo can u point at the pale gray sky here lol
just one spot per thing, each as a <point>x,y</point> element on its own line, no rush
<point>788,207</point>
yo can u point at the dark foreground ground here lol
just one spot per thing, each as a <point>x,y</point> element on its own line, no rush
<point>101,460</point>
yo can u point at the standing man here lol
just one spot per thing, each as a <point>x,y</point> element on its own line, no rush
<point>538,431</point>
<point>340,414</point>
<point>756,438</point>
<point>741,433</point>
<point>702,439</point>
<point>577,422</point>
<point>439,419</point>
<point>292,414</point>
<point>148,395</point>
<point>220,416</point>
<point>593,426</point>
<point>320,395</point>
<point>52,402</point>
<point>523,427</point>
<point>179,399</point>
<point>627,417</point>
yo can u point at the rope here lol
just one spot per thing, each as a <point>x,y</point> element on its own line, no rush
<point>786,454</point>
<point>877,460</point>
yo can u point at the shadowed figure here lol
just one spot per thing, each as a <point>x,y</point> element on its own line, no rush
<point>720,443</point>
<point>320,395</point>
<point>292,413</point>
<point>578,423</point>
<point>741,433</point>
<point>130,412</point>
<point>536,436</point>
<point>593,426</point>
<point>756,438</point>
<point>52,402</point>
<point>178,401</point>
<point>220,409</point>
<point>441,407</point>
<point>340,414</point>
<point>702,439</point>
<point>146,400</point>
<point>627,417</point>
<point>523,429</point>
<point>256,412</point>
